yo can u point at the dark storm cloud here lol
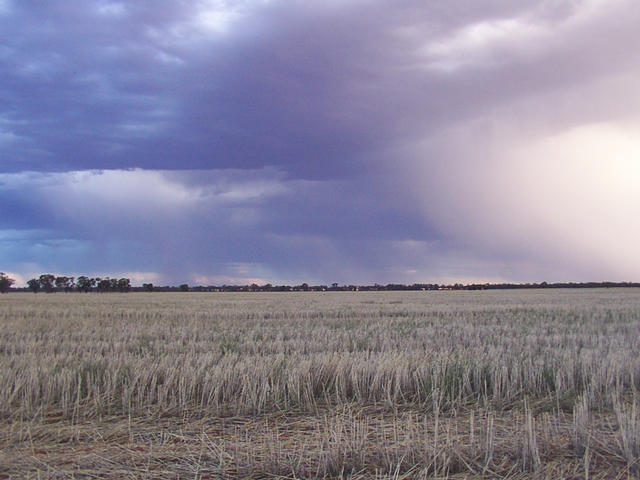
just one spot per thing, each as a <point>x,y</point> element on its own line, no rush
<point>314,88</point>
<point>331,141</point>
<point>185,225</point>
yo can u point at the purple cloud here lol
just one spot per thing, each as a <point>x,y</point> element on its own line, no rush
<point>337,141</point>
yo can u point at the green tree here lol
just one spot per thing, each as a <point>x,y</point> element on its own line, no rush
<point>148,287</point>
<point>5,282</point>
<point>184,287</point>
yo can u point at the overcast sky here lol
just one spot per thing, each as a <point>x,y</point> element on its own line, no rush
<point>349,141</point>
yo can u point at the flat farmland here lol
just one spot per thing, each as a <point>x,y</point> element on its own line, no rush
<point>512,384</point>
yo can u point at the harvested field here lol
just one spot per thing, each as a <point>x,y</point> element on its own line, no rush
<point>488,384</point>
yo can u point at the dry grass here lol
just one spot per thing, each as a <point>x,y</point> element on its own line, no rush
<point>533,384</point>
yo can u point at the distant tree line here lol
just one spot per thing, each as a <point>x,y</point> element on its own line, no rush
<point>335,287</point>
<point>49,283</point>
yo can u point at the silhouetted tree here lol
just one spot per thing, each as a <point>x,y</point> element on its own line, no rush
<point>5,282</point>
<point>64,283</point>
<point>46,282</point>
<point>85,284</point>
<point>103,284</point>
<point>148,287</point>
<point>124,285</point>
<point>60,282</point>
<point>184,287</point>
<point>34,285</point>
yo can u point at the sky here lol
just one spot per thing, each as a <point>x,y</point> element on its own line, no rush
<point>349,141</point>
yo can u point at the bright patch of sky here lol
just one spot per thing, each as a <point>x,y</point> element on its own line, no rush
<point>112,9</point>
<point>5,7</point>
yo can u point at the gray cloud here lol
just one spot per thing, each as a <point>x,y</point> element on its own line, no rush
<point>370,141</point>
<point>311,88</point>
<point>194,225</point>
